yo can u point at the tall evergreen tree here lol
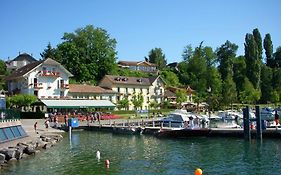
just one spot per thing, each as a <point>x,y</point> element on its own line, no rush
<point>258,40</point>
<point>266,84</point>
<point>252,60</point>
<point>157,57</point>
<point>268,47</point>
<point>277,57</point>
<point>49,52</point>
<point>239,72</point>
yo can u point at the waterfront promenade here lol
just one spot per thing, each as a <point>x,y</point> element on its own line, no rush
<point>28,126</point>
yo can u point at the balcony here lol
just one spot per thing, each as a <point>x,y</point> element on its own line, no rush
<point>64,86</point>
<point>38,86</point>
<point>49,73</point>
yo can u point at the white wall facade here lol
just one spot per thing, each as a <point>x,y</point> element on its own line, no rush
<point>46,81</point>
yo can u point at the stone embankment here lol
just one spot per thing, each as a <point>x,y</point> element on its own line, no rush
<point>23,149</point>
<point>35,142</point>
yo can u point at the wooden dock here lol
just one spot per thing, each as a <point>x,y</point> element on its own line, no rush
<point>152,127</point>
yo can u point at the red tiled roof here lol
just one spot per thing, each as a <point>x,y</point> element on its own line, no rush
<point>81,88</point>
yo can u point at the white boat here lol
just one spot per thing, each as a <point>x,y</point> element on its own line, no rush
<point>183,119</point>
<point>230,115</point>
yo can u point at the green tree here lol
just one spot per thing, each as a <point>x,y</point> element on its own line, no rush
<point>3,67</point>
<point>3,73</point>
<point>249,95</point>
<point>276,81</point>
<point>239,72</point>
<point>266,84</point>
<point>21,100</point>
<point>49,52</point>
<point>157,57</point>
<point>153,104</point>
<point>137,101</point>
<point>229,93</point>
<point>88,53</point>
<point>226,54</point>
<point>277,57</point>
<point>253,69</point>
<point>187,52</point>
<point>123,104</point>
<point>268,47</point>
<point>181,97</point>
<point>258,41</point>
<point>170,78</point>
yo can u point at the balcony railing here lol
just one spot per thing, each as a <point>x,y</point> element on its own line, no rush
<point>64,86</point>
<point>49,73</point>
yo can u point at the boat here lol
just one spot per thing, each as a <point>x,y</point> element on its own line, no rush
<point>127,130</point>
<point>183,133</point>
<point>177,118</point>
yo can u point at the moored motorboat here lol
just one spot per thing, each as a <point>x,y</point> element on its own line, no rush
<point>183,133</point>
<point>127,130</point>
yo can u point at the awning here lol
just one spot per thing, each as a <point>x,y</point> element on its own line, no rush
<point>78,103</point>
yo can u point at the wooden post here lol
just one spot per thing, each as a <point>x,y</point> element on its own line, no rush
<point>153,123</point>
<point>258,120</point>
<point>246,123</point>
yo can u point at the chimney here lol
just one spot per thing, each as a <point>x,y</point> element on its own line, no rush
<point>19,52</point>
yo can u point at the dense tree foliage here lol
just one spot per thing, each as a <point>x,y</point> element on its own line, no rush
<point>123,104</point>
<point>157,57</point>
<point>170,78</point>
<point>88,53</point>
<point>268,47</point>
<point>21,100</point>
<point>49,52</point>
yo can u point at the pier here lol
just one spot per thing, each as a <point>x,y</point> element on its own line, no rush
<point>153,126</point>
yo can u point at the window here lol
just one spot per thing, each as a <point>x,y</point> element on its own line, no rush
<point>9,133</point>
<point>3,137</point>
<point>118,89</point>
<point>22,132</point>
<point>16,131</point>
<point>126,90</point>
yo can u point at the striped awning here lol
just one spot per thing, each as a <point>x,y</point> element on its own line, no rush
<point>78,103</point>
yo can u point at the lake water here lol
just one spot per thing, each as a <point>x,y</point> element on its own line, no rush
<point>147,155</point>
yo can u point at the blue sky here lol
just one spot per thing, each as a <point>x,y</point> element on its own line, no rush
<point>137,25</point>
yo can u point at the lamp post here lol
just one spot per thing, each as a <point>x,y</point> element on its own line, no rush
<point>209,90</point>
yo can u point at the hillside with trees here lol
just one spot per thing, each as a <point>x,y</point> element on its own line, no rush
<point>89,53</point>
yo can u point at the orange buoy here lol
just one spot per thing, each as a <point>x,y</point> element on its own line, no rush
<point>198,171</point>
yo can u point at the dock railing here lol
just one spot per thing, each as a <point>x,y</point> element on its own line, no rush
<point>9,115</point>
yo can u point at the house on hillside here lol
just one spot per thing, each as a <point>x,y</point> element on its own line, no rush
<point>20,61</point>
<point>44,79</point>
<point>151,89</point>
<point>83,91</point>
<point>143,66</point>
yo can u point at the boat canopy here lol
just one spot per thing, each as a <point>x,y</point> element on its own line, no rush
<point>78,103</point>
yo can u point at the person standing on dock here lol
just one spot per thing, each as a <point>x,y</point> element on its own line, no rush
<point>35,127</point>
<point>276,118</point>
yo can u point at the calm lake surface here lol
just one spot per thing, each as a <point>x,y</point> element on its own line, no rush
<point>147,155</point>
